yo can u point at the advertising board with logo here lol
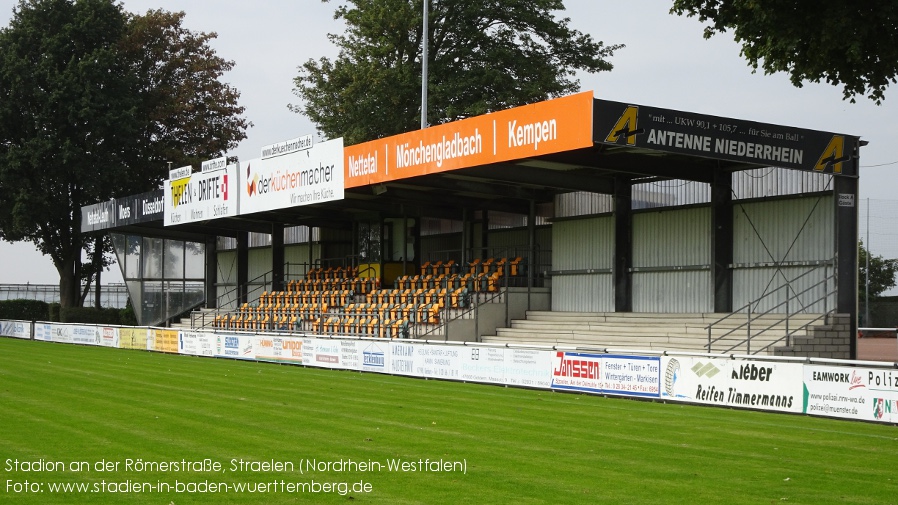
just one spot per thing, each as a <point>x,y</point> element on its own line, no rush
<point>374,356</point>
<point>761,385</point>
<point>109,337</point>
<point>201,196</point>
<point>325,353</point>
<point>674,131</point>
<point>280,349</point>
<point>299,177</point>
<point>236,346</point>
<point>16,329</point>
<point>500,365</point>
<point>851,393</point>
<point>132,338</point>
<point>531,130</point>
<point>606,373</point>
<point>187,342</point>
<point>482,364</point>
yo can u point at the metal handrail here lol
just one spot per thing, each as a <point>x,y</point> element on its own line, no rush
<point>747,309</point>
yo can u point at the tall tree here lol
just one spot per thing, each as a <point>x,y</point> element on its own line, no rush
<point>483,56</point>
<point>93,100</point>
<point>881,272</point>
<point>853,44</point>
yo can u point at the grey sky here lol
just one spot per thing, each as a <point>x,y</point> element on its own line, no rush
<point>666,64</point>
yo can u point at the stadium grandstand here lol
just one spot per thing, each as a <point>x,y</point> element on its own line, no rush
<point>576,221</point>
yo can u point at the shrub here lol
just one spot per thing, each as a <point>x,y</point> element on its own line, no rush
<point>26,310</point>
<point>90,315</point>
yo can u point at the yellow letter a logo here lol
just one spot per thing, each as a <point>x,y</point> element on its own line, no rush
<point>625,126</point>
<point>833,155</point>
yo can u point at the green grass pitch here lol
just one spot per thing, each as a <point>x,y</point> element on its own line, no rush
<point>111,420</point>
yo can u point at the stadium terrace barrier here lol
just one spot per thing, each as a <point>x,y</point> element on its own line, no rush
<point>865,391</point>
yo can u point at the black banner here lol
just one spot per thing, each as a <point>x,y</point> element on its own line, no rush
<point>724,138</point>
<point>133,209</point>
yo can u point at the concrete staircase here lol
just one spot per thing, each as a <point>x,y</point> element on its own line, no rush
<point>650,331</point>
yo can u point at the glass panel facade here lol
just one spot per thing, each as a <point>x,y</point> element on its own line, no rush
<point>194,260</point>
<point>164,277</point>
<point>174,259</point>
<point>133,254</point>
<point>151,255</point>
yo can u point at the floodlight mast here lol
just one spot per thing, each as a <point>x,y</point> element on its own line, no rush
<point>424,37</point>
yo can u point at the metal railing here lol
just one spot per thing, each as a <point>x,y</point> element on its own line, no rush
<point>791,297</point>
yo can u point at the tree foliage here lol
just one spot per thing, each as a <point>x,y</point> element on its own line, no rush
<point>93,101</point>
<point>483,56</point>
<point>881,271</point>
<point>853,44</point>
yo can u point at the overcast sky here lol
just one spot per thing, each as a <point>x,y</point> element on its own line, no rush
<point>666,64</point>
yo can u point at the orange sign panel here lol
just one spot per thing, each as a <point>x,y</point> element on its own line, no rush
<point>541,128</point>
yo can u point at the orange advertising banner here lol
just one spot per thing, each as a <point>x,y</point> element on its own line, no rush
<point>531,130</point>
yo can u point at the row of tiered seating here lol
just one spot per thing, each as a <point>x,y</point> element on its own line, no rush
<point>456,298</point>
<point>329,300</point>
<point>357,284</point>
<point>509,266</point>
<point>264,317</point>
<point>414,312</point>
<point>479,283</point>
<point>277,299</point>
<point>331,273</point>
<point>368,326</point>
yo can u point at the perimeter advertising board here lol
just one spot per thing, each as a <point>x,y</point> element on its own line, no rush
<point>133,338</point>
<point>299,177</point>
<point>108,336</point>
<point>162,340</point>
<point>693,134</point>
<point>761,385</point>
<point>196,343</point>
<point>546,127</point>
<point>237,346</point>
<point>280,349</point>
<point>201,196</point>
<point>606,374</point>
<point>500,365</point>
<point>16,329</point>
<point>866,394</point>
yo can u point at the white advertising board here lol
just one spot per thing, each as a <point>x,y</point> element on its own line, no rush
<point>239,346</point>
<point>313,175</point>
<point>374,356</point>
<point>201,196</point>
<point>16,329</point>
<point>764,385</point>
<point>401,359</point>
<point>325,353</point>
<point>109,336</point>
<point>500,365</point>
<point>437,361</point>
<point>281,349</point>
<point>187,342</point>
<point>607,374</point>
<point>66,333</point>
<point>851,393</point>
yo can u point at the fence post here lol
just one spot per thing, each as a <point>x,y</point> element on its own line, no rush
<point>748,324</point>
<point>709,337</point>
